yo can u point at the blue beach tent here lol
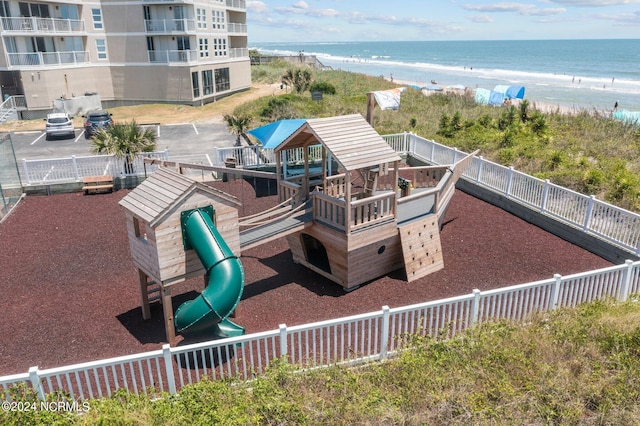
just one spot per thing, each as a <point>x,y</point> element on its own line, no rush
<point>510,92</point>
<point>629,117</point>
<point>496,98</point>
<point>482,96</point>
<point>273,134</point>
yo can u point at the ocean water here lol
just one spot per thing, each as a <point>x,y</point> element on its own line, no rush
<point>591,74</point>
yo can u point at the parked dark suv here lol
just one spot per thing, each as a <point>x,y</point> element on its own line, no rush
<point>96,120</point>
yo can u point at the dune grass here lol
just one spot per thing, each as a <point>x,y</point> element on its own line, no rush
<point>585,151</point>
<point>571,366</point>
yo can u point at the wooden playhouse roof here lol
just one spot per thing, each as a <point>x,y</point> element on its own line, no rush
<point>349,138</point>
<point>164,189</point>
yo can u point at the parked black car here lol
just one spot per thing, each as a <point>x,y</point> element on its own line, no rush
<point>96,120</point>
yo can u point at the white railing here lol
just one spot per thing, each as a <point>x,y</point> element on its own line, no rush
<point>169,25</point>
<point>42,25</point>
<point>613,224</point>
<point>237,4</point>
<point>73,169</point>
<point>167,56</point>
<point>236,28</point>
<point>35,59</point>
<point>354,339</point>
<point>256,156</point>
<point>238,52</point>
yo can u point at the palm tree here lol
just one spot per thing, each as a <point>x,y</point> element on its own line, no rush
<point>238,125</point>
<point>299,78</point>
<point>124,140</point>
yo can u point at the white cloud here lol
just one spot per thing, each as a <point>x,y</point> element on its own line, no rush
<point>481,19</point>
<point>499,7</point>
<point>301,5</point>
<point>257,7</point>
<point>595,3</point>
<point>520,8</point>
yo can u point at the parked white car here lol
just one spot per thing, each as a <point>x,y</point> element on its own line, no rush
<point>59,124</point>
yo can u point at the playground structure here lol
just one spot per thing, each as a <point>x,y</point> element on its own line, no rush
<point>362,225</point>
<point>179,229</point>
<point>348,209</point>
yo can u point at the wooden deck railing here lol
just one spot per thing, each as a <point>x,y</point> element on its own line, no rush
<point>336,186</point>
<point>289,190</point>
<point>420,177</point>
<point>329,210</point>
<point>371,210</point>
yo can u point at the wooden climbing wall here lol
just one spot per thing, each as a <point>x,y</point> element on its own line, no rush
<point>421,247</point>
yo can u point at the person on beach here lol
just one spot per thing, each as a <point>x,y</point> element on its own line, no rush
<point>615,106</point>
<point>391,77</point>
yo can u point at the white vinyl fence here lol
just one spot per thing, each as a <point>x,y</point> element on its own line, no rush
<point>73,169</point>
<point>360,338</point>
<point>586,213</point>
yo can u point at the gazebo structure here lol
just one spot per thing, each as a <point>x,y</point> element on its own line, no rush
<point>363,225</point>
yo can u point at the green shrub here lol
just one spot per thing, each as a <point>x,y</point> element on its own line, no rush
<point>324,87</point>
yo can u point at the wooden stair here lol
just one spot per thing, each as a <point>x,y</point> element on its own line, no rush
<point>421,247</point>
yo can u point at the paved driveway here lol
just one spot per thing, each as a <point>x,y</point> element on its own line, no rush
<point>185,142</point>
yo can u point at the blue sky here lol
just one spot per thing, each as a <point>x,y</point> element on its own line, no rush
<point>371,20</point>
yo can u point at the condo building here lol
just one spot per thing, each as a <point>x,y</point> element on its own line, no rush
<point>126,51</point>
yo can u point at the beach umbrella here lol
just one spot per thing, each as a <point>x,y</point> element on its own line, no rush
<point>273,134</point>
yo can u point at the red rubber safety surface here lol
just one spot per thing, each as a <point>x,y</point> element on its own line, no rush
<point>70,294</point>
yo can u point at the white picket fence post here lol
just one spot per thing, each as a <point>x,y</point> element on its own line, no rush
<point>168,365</point>
<point>75,167</point>
<point>26,170</point>
<point>555,294</point>
<point>625,287</point>
<point>545,195</point>
<point>479,173</point>
<point>34,378</point>
<point>384,340</point>
<point>589,213</point>
<point>509,181</point>
<point>475,308</point>
<point>284,348</point>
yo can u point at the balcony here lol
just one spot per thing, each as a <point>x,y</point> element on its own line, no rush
<point>42,25</point>
<point>237,4</point>
<point>47,59</point>
<point>170,26</point>
<point>237,28</point>
<point>239,52</point>
<point>168,56</point>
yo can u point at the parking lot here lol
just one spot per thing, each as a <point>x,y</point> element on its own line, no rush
<point>186,142</point>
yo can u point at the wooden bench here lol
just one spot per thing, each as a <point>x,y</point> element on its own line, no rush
<point>96,184</point>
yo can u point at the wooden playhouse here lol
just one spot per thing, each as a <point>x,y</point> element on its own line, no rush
<point>363,225</point>
<point>153,217</point>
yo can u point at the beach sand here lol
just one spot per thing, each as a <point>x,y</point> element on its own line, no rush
<point>544,107</point>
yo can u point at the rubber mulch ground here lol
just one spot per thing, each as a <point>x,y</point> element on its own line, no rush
<point>69,290</point>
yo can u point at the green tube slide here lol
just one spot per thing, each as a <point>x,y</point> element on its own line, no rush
<point>208,313</point>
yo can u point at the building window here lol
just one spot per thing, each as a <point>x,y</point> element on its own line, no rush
<point>34,9</point>
<point>140,230</point>
<point>196,84</point>
<point>207,82</point>
<point>220,46</point>
<point>201,16</point>
<point>222,80</point>
<point>204,47</point>
<point>101,48</point>
<point>4,9</point>
<point>218,19</point>
<point>96,14</point>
